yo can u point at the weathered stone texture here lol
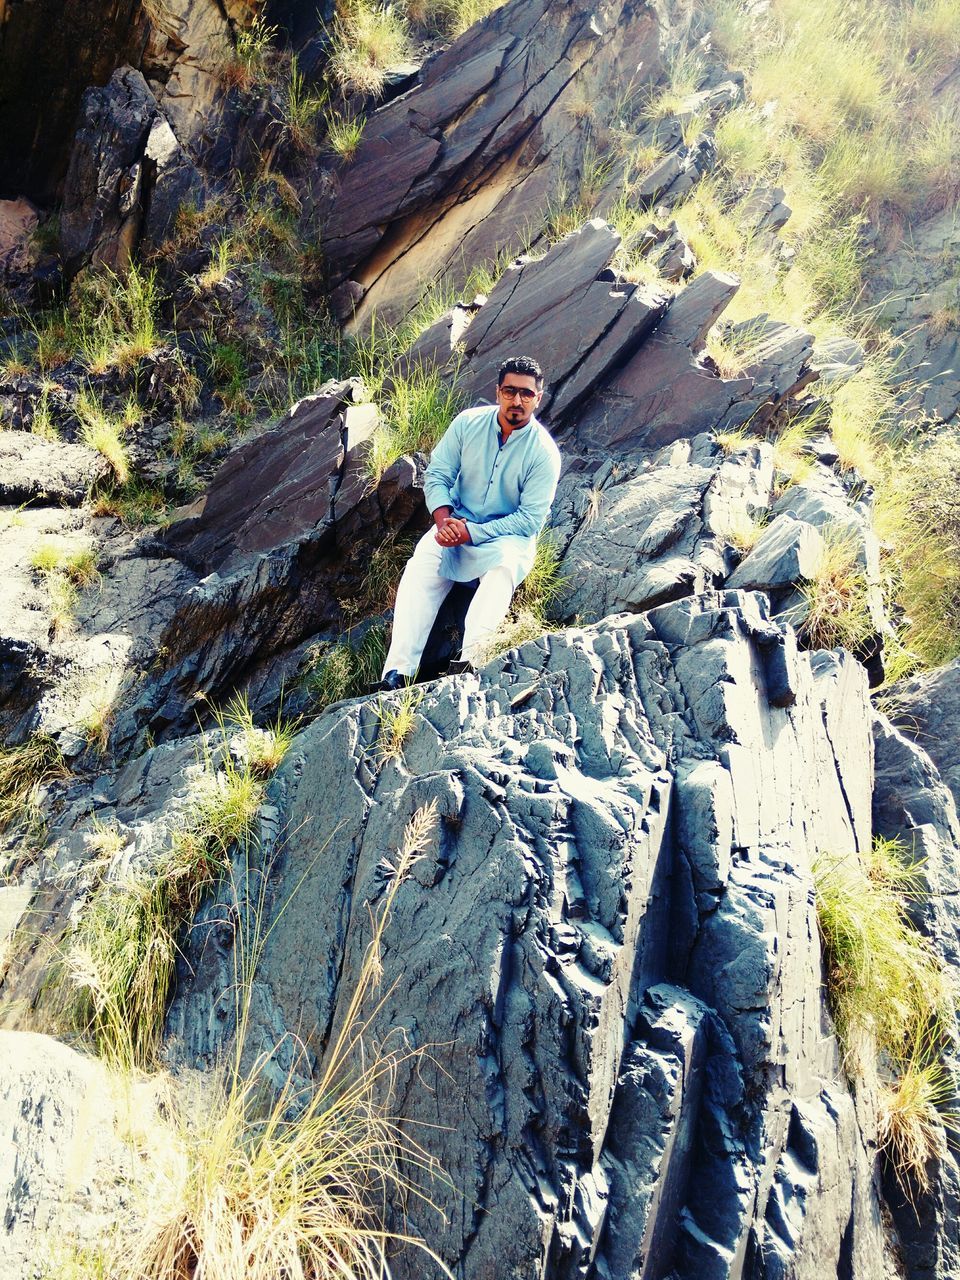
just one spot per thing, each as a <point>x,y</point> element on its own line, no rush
<point>465,165</point>
<point>561,888</point>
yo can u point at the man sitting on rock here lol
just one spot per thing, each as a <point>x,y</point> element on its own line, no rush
<point>489,485</point>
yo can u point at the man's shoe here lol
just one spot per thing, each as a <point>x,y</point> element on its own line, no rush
<point>461,668</point>
<point>391,682</point>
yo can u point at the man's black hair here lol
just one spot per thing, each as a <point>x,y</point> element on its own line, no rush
<point>524,365</point>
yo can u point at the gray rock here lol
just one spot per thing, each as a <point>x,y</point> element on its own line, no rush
<point>531,943</point>
<point>127,173</point>
<point>657,535</point>
<point>927,710</point>
<point>32,468</point>
<point>64,1157</point>
<point>788,551</point>
<point>667,391</point>
<point>912,804</point>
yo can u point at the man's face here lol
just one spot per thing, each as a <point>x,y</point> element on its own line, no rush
<point>517,398</point>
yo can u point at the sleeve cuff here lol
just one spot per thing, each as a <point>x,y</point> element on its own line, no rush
<point>436,497</point>
<point>477,535</point>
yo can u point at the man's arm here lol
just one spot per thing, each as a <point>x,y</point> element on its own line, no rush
<point>535,499</point>
<point>442,472</point>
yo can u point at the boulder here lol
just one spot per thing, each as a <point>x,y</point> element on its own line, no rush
<point>282,541</point>
<point>50,54</point>
<point>635,537</point>
<point>669,391</point>
<point>128,175</point>
<point>531,309</point>
<point>33,468</point>
<point>788,551</point>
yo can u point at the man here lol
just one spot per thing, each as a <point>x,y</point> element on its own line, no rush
<point>489,485</point>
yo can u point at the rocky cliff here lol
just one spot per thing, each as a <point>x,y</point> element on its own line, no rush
<point>600,977</point>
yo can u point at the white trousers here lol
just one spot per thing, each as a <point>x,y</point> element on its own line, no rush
<point>421,593</point>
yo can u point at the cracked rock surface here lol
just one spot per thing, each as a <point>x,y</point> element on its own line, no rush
<point>609,945</point>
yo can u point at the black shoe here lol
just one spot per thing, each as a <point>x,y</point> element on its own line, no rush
<point>391,682</point>
<point>461,668</point>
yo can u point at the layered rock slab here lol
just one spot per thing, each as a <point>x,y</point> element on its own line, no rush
<point>466,163</point>
<point>561,887</point>
<point>669,390</point>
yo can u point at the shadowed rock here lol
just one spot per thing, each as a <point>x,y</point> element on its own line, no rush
<point>128,175</point>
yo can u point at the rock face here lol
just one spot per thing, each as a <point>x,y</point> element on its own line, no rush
<point>928,710</point>
<point>912,804</point>
<point>63,1161</point>
<point>668,390</point>
<point>463,167</point>
<point>630,542</point>
<point>35,468</point>
<point>917,294</point>
<point>608,944</point>
<point>530,310</point>
<point>128,175</point>
<point>49,54</point>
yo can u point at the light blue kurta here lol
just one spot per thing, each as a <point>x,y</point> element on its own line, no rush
<point>502,491</point>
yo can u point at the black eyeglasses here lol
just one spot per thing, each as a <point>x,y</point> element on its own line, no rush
<point>511,393</point>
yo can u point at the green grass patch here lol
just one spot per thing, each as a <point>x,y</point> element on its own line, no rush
<point>365,41</point>
<point>263,748</point>
<point>396,720</point>
<point>885,983</point>
<point>416,408</point>
<point>118,963</point>
<point>345,669</point>
<point>836,612</point>
<point>344,132</point>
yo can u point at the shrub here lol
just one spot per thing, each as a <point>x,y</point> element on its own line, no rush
<point>23,770</point>
<point>416,410</point>
<point>344,132</point>
<point>263,749</point>
<point>396,720</point>
<point>264,1184</point>
<point>116,317</point>
<point>791,463</point>
<point>135,503</point>
<point>103,431</point>
<point>913,1115</point>
<point>302,106</point>
<point>892,999</point>
<point>449,18</point>
<point>918,519</point>
<point>78,564</point>
<point>365,41</point>
<point>885,983</point>
<point>382,578</point>
<point>250,63</point>
<point>118,963</point>
<point>836,609</point>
